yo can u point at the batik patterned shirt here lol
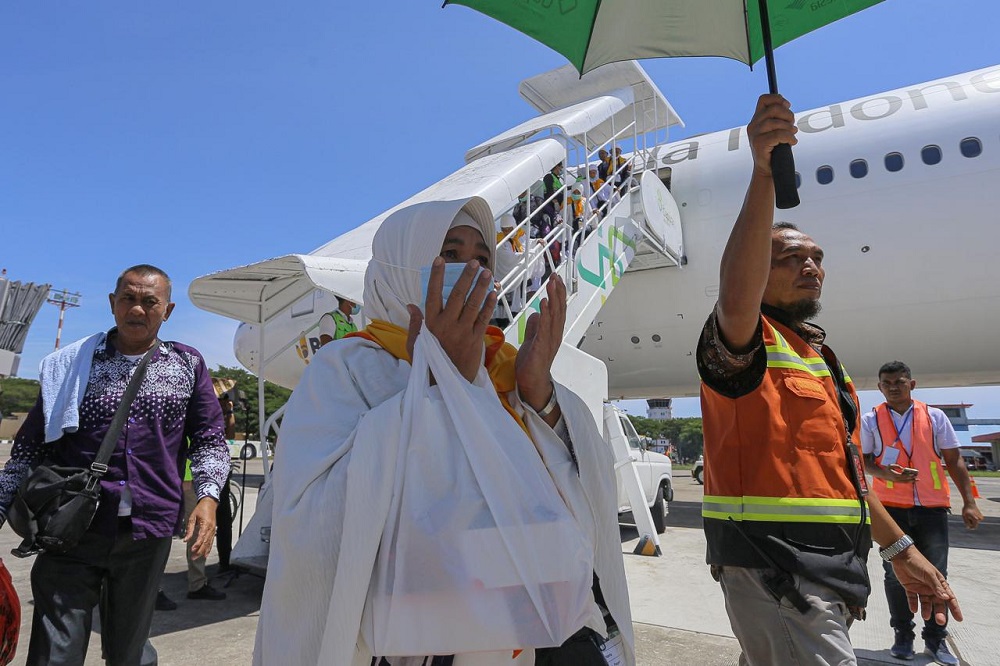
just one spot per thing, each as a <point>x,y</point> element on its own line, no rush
<point>175,415</point>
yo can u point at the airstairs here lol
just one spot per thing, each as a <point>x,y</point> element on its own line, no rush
<point>605,247</point>
<point>620,105</point>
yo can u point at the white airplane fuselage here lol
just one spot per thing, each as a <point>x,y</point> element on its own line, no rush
<point>909,252</point>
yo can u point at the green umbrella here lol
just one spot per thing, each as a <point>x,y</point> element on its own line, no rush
<point>591,33</point>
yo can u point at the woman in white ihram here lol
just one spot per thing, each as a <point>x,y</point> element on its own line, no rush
<point>333,471</point>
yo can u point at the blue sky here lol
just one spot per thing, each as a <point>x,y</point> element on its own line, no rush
<point>200,136</point>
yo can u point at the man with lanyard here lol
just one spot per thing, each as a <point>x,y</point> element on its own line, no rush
<point>335,325</point>
<point>786,521</point>
<point>904,441</point>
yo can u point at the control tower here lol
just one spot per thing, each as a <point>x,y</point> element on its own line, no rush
<point>659,409</point>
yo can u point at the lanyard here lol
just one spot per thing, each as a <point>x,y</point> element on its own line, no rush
<point>902,427</point>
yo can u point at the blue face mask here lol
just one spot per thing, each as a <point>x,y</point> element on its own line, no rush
<point>451,274</point>
<point>356,310</point>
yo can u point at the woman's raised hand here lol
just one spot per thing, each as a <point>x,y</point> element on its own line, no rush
<point>542,337</point>
<point>459,324</point>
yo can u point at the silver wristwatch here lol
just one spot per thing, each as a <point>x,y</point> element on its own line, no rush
<point>895,549</point>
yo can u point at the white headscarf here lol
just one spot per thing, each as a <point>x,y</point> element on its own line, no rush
<point>408,240</point>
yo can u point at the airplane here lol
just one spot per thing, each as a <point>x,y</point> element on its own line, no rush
<point>899,188</point>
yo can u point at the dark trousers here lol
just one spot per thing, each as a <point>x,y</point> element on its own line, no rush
<point>119,574</point>
<point>929,529</point>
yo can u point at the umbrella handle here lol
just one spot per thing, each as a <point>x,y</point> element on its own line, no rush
<point>786,194</point>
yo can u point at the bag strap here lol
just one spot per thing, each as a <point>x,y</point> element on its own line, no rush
<point>849,412</point>
<point>100,465</point>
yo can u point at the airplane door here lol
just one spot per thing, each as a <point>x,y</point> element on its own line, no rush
<point>661,216</point>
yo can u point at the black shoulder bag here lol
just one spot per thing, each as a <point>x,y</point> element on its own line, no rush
<point>55,505</point>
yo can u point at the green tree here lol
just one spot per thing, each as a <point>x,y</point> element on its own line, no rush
<point>17,395</point>
<point>274,397</point>
<point>690,440</point>
<point>684,433</point>
<point>647,427</point>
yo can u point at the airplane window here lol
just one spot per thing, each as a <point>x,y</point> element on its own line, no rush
<point>971,147</point>
<point>859,169</point>
<point>893,162</point>
<point>798,180</point>
<point>824,175</point>
<point>931,154</point>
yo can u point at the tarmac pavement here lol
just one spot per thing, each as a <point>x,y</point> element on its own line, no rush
<point>677,608</point>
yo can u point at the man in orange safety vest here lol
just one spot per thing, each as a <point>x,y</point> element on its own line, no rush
<point>904,442</point>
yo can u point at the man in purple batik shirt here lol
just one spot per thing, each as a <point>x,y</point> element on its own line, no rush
<point>175,415</point>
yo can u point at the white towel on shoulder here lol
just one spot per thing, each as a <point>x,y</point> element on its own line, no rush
<point>63,375</point>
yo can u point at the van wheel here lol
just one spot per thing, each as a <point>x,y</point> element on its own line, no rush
<point>659,512</point>
<point>699,477</point>
<point>248,451</point>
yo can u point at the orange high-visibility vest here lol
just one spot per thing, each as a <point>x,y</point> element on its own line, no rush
<point>776,459</point>
<point>931,488</point>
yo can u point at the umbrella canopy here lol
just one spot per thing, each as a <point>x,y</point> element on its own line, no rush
<point>591,33</point>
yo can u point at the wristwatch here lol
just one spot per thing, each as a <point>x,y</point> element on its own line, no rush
<point>895,549</point>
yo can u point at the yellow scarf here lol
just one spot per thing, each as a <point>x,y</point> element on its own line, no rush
<point>515,241</point>
<point>500,356</point>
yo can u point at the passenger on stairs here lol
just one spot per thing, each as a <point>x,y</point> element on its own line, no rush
<point>602,192</point>
<point>623,168</point>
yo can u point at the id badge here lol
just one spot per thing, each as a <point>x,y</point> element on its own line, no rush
<point>859,468</point>
<point>890,456</point>
<point>613,649</point>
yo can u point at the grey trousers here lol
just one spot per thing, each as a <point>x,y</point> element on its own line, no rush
<point>773,632</point>
<point>66,589</point>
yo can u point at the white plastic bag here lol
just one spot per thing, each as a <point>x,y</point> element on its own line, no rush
<point>479,551</point>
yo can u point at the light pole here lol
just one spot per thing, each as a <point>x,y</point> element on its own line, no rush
<point>64,299</point>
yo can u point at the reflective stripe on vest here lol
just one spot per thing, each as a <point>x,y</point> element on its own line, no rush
<point>781,355</point>
<point>936,475</point>
<point>782,509</point>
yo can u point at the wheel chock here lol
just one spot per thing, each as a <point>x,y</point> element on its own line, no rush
<point>647,547</point>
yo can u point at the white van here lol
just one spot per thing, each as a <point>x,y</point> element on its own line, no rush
<point>654,469</point>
